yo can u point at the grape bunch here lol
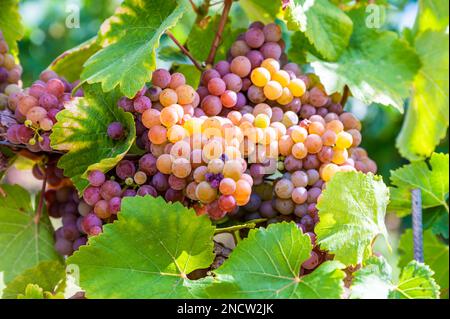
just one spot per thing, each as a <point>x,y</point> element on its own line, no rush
<point>35,110</point>
<point>10,72</point>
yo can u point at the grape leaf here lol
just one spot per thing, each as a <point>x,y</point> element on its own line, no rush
<point>415,282</point>
<point>49,275</point>
<point>201,37</point>
<point>326,26</point>
<point>351,211</point>
<point>432,15</point>
<point>11,24</point>
<point>374,281</point>
<point>261,10</point>
<point>267,265</point>
<point>23,243</point>
<point>70,63</point>
<point>147,253</point>
<point>435,252</point>
<point>427,117</point>
<point>300,46</point>
<point>33,291</point>
<point>81,130</point>
<point>130,38</point>
<point>433,184</point>
<point>377,66</point>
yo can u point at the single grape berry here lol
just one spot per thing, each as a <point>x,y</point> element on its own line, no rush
<point>116,131</point>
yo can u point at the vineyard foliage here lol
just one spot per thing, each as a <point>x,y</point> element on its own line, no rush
<point>149,245</point>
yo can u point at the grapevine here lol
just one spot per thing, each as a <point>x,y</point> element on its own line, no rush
<point>249,146</point>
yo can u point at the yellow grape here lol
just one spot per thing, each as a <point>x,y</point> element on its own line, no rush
<point>344,140</point>
<point>168,97</point>
<point>335,125</point>
<point>46,124</point>
<point>297,87</point>
<point>232,169</point>
<point>298,133</point>
<point>262,121</point>
<point>199,173</point>
<point>316,128</point>
<point>299,150</point>
<point>340,156</point>
<point>181,167</point>
<point>168,116</point>
<point>164,164</point>
<point>286,97</point>
<point>285,145</point>
<point>260,76</point>
<point>157,134</point>
<point>290,118</point>
<point>273,90</point>
<point>282,77</point>
<point>186,94</point>
<point>227,186</point>
<point>271,65</point>
<point>205,193</point>
<point>150,118</point>
<point>215,166</point>
<point>176,133</point>
<point>328,171</point>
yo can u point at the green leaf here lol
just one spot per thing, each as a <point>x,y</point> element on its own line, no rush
<point>300,47</point>
<point>201,37</point>
<point>373,281</point>
<point>70,63</point>
<point>130,38</point>
<point>432,15</point>
<point>435,255</point>
<point>352,211</point>
<point>326,26</point>
<point>147,253</point>
<point>267,265</point>
<point>427,118</point>
<point>261,10</point>
<point>23,243</point>
<point>415,282</point>
<point>33,291</point>
<point>81,130</point>
<point>433,184</point>
<point>49,275</point>
<point>11,24</point>
<point>377,66</point>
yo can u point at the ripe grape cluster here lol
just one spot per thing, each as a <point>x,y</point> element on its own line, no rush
<point>258,139</point>
<point>10,72</point>
<point>35,109</point>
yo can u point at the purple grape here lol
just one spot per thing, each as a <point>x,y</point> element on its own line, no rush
<point>267,210</point>
<point>78,243</point>
<point>161,78</point>
<point>232,82</point>
<point>141,104</point>
<point>63,246</point>
<point>125,169</point>
<point>147,164</point>
<point>91,195</point>
<point>48,101</point>
<point>253,204</point>
<point>254,37</point>
<point>129,193</point>
<point>96,178</point>
<point>177,183</point>
<point>160,182</point>
<point>89,221</point>
<point>174,195</point>
<point>116,131</point>
<point>271,50</point>
<point>126,104</point>
<point>110,189</point>
<point>70,231</point>
<point>114,205</point>
<point>255,57</point>
<point>223,67</point>
<point>147,190</point>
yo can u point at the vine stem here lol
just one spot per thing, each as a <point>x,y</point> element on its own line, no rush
<point>345,95</point>
<point>416,196</point>
<point>194,7</point>
<point>40,205</point>
<point>218,37</point>
<point>184,50</point>
<point>250,225</point>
